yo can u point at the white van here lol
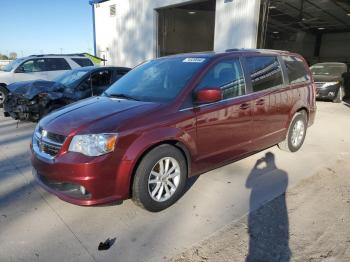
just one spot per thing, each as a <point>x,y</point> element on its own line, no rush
<point>43,67</point>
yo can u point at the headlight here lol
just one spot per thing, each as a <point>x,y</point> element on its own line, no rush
<point>94,144</point>
<point>325,85</point>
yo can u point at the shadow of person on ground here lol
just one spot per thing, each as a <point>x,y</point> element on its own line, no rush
<point>268,226</point>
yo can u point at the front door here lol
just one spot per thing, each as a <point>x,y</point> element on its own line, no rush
<point>224,127</point>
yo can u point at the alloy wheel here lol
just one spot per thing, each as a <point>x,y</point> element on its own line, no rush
<point>164,179</point>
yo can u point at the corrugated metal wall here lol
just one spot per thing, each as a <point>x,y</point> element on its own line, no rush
<point>130,37</point>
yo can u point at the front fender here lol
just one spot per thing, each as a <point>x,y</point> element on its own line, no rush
<point>142,144</point>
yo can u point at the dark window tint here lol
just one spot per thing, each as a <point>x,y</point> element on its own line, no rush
<point>83,62</point>
<point>296,70</point>
<point>265,72</point>
<point>101,78</point>
<point>57,64</point>
<point>228,76</point>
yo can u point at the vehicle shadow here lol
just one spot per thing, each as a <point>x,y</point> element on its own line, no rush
<point>268,226</point>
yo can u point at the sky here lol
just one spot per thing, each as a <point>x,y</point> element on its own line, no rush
<point>45,26</point>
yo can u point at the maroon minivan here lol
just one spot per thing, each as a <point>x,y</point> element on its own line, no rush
<point>172,118</point>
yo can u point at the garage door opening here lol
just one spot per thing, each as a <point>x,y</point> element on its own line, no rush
<point>186,28</point>
<point>318,30</point>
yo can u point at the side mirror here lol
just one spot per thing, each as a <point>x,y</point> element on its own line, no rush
<point>208,95</point>
<point>20,70</point>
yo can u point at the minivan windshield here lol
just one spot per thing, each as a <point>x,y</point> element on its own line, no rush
<point>12,65</point>
<point>69,78</point>
<point>159,80</point>
<point>328,69</point>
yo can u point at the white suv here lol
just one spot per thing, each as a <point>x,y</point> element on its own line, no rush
<point>43,67</point>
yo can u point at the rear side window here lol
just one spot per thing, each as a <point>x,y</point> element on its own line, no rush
<point>228,76</point>
<point>296,70</point>
<point>57,64</point>
<point>83,62</point>
<point>265,72</point>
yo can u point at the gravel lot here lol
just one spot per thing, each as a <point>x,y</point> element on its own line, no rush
<point>36,226</point>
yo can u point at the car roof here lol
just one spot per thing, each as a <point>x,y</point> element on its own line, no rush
<point>331,63</point>
<point>94,68</point>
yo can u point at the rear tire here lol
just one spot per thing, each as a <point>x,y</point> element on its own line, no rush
<point>296,133</point>
<point>3,94</point>
<point>339,97</point>
<point>160,178</point>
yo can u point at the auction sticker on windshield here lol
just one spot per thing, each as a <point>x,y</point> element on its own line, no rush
<point>194,60</point>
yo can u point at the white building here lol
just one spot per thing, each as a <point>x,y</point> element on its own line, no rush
<point>128,32</point>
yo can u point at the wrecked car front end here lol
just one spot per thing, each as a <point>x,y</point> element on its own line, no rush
<point>29,101</point>
<point>21,108</point>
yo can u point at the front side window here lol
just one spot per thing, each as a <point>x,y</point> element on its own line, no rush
<point>32,66</point>
<point>101,79</point>
<point>57,64</point>
<point>296,70</point>
<point>226,75</point>
<point>159,80</point>
<point>265,72</point>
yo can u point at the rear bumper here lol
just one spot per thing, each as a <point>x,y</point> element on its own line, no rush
<point>327,93</point>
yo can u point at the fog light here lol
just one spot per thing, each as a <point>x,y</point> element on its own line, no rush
<point>82,190</point>
<point>331,94</point>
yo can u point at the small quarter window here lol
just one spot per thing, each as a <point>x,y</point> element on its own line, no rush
<point>226,75</point>
<point>265,72</point>
<point>296,70</point>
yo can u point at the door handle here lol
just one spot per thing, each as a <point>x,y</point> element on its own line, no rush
<point>260,102</point>
<point>244,106</point>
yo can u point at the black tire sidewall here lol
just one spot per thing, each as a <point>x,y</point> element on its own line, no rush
<point>299,116</point>
<point>5,92</point>
<point>140,186</point>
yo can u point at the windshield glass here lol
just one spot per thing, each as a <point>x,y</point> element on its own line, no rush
<point>332,70</point>
<point>159,80</point>
<point>13,65</point>
<point>69,78</point>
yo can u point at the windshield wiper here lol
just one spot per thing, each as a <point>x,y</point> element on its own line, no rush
<point>124,96</point>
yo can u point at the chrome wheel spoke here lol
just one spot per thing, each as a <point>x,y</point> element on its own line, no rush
<point>164,179</point>
<point>160,192</point>
<point>156,189</point>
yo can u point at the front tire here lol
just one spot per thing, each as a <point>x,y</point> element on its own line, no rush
<point>3,94</point>
<point>296,133</point>
<point>160,178</point>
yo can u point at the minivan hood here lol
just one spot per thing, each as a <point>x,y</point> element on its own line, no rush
<point>87,115</point>
<point>327,78</point>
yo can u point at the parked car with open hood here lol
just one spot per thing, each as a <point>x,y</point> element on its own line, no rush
<point>329,80</point>
<point>172,118</point>
<point>32,100</point>
<point>35,67</point>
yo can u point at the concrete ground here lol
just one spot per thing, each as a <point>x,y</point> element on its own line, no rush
<point>36,226</point>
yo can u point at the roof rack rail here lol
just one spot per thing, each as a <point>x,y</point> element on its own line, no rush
<point>42,55</point>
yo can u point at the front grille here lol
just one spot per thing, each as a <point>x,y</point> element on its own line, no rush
<point>49,149</point>
<point>47,142</point>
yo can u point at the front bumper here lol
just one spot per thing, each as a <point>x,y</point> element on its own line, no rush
<point>103,180</point>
